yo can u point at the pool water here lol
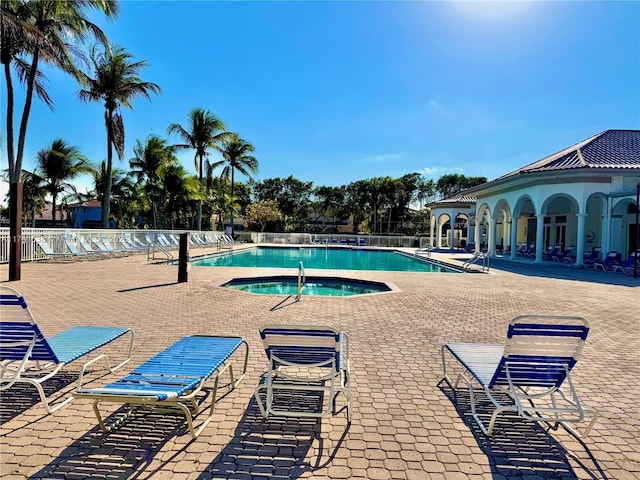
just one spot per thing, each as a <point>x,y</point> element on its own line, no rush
<point>323,258</point>
<point>316,286</point>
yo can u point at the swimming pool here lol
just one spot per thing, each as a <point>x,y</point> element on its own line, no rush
<point>323,258</point>
<point>314,286</point>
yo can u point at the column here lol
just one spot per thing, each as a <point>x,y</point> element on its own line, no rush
<point>605,234</point>
<point>580,239</point>
<point>431,231</point>
<point>452,219</point>
<point>539,236</point>
<point>491,241</point>
<point>476,235</point>
<point>514,237</point>
<point>438,233</point>
<point>471,231</point>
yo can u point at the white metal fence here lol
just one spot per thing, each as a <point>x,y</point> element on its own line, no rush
<point>57,237</point>
<point>340,239</point>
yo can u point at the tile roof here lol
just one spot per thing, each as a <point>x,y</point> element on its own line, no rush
<point>460,197</point>
<point>88,203</point>
<point>618,149</point>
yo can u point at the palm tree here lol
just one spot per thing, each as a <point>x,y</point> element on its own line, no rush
<point>235,153</point>
<point>34,195</point>
<point>179,188</point>
<point>149,158</point>
<point>59,163</point>
<point>204,131</point>
<point>122,187</point>
<point>42,31</point>
<point>116,83</point>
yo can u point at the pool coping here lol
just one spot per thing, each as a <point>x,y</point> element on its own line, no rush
<point>392,288</point>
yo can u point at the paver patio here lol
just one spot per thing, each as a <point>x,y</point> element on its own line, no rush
<point>404,425</point>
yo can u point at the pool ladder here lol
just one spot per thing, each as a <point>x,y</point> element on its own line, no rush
<point>302,280</point>
<point>477,256</point>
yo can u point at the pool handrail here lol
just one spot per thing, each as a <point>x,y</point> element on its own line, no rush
<point>302,280</point>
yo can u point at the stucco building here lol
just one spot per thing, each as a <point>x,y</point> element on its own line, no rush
<point>582,196</point>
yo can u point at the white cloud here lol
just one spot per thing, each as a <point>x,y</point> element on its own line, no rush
<point>437,172</point>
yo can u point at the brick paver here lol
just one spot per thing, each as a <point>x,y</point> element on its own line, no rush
<point>404,425</point>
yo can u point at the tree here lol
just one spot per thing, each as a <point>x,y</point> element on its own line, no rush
<point>359,204</point>
<point>262,213</point>
<point>41,30</point>
<point>203,132</point>
<point>450,184</point>
<point>149,158</point>
<point>291,195</point>
<point>123,193</point>
<point>115,83</point>
<point>34,196</point>
<point>235,152</point>
<point>331,202</point>
<point>59,163</point>
<point>179,188</point>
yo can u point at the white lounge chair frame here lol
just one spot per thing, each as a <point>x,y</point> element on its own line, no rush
<point>305,341</point>
<point>526,370</point>
<point>26,341</point>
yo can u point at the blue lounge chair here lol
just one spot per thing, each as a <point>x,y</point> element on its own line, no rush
<point>551,252</point>
<point>104,245</point>
<point>531,251</point>
<point>565,256</point>
<point>609,263</point>
<point>85,243</point>
<point>26,356</point>
<point>304,358</point>
<point>51,253</point>
<point>530,370</point>
<point>590,260</point>
<point>628,265</point>
<point>172,379</point>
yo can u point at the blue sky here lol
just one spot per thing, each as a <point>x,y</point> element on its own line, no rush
<point>333,92</point>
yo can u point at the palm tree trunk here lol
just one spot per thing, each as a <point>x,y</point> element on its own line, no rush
<point>13,175</point>
<point>106,201</point>
<point>15,189</point>
<point>232,198</point>
<point>53,213</point>
<point>15,186</point>
<point>200,201</point>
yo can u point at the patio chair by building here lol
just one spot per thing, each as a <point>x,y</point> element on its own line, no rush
<point>608,263</point>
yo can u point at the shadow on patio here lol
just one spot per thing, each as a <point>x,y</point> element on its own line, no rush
<point>277,448</point>
<point>522,449</point>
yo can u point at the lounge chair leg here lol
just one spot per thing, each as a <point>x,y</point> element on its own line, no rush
<point>43,396</point>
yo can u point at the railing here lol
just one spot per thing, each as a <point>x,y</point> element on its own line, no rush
<point>474,259</point>
<point>302,280</point>
<point>56,237</point>
<point>151,253</point>
<point>338,239</point>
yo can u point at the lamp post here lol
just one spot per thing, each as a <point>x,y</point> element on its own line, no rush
<point>635,261</point>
